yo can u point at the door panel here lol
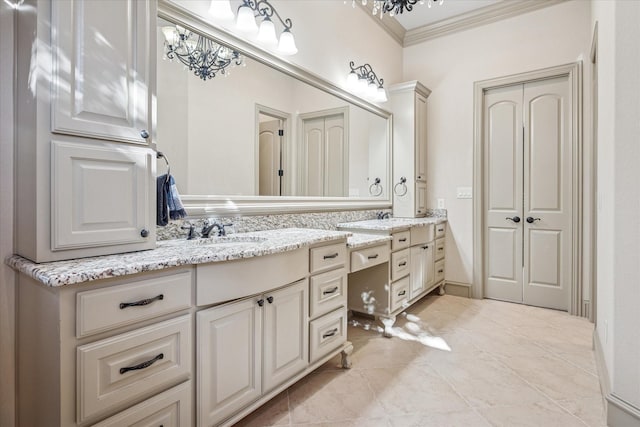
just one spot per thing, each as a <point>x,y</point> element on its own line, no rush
<point>270,155</point>
<point>335,157</point>
<point>503,193</point>
<point>548,174</point>
<point>313,159</point>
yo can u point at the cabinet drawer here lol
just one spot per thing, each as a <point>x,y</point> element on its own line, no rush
<point>327,333</point>
<point>400,264</point>
<point>422,234</point>
<point>401,240</point>
<point>132,366</point>
<point>108,308</point>
<point>441,229</point>
<point>368,257</point>
<point>171,408</point>
<point>328,292</point>
<point>439,254</point>
<point>399,293</point>
<point>327,257</point>
<point>439,271</point>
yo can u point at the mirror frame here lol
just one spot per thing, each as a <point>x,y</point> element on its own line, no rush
<point>206,205</point>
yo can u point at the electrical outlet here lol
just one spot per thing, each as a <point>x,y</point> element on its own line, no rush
<point>441,204</point>
<point>463,193</point>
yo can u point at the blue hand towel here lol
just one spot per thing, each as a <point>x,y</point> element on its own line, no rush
<point>169,205</point>
<point>176,209</point>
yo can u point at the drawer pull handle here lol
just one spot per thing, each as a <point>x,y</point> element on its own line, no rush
<point>331,256</point>
<point>404,239</point>
<point>425,247</point>
<point>440,271</point>
<point>402,264</point>
<point>441,249</point>
<point>142,365</point>
<point>372,256</point>
<point>330,291</point>
<point>401,293</point>
<point>330,333</point>
<point>142,302</point>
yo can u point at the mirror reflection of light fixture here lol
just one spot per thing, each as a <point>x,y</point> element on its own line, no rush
<point>246,23</point>
<point>394,7</point>
<point>363,81</point>
<point>201,55</point>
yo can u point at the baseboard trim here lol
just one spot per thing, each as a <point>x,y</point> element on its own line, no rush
<point>458,289</point>
<point>619,413</point>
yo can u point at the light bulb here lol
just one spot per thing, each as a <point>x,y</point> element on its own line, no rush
<point>287,45</point>
<point>372,90</point>
<point>352,80</point>
<point>170,34</point>
<point>246,21</point>
<point>267,33</point>
<point>361,88</point>
<point>221,10</point>
<point>381,95</point>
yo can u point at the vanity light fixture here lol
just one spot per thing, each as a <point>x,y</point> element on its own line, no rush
<point>363,81</point>
<point>201,55</point>
<point>394,7</point>
<point>248,11</point>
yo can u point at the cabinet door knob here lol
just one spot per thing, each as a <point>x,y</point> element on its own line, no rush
<point>144,134</point>
<point>270,300</point>
<point>260,302</point>
<point>144,232</point>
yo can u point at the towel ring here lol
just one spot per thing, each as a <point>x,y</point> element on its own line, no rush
<point>160,155</point>
<point>402,186</point>
<point>375,189</point>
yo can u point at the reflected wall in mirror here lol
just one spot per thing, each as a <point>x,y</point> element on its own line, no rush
<point>256,131</point>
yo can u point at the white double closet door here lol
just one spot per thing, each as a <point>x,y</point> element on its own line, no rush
<point>528,174</point>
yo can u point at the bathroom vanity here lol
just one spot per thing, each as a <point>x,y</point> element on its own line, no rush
<point>195,332</point>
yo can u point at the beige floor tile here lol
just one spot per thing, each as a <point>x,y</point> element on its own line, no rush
<point>273,413</point>
<point>554,377</point>
<point>533,415</point>
<point>361,422</point>
<point>332,396</point>
<point>590,410</point>
<point>498,341</point>
<point>467,418</point>
<point>413,389</point>
<point>486,382</point>
<point>585,360</point>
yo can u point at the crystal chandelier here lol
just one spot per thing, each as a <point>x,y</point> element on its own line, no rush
<point>394,7</point>
<point>201,55</point>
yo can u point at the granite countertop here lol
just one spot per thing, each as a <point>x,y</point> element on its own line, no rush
<point>391,224</point>
<point>361,240</point>
<point>172,253</point>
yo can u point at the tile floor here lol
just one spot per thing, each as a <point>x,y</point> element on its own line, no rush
<point>509,365</point>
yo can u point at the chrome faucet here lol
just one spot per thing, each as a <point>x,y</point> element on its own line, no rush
<point>208,227</point>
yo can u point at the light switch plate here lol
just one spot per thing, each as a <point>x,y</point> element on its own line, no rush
<point>464,193</point>
<point>441,204</point>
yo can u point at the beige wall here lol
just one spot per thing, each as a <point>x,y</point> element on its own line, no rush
<point>450,65</point>
<point>7,312</point>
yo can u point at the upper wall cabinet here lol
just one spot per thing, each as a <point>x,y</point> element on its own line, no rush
<point>85,169</point>
<point>101,69</point>
<point>409,107</point>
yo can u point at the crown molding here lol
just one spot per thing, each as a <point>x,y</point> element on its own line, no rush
<point>388,23</point>
<point>474,18</point>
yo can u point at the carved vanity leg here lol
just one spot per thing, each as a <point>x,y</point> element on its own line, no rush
<point>441,292</point>
<point>345,363</point>
<point>388,324</point>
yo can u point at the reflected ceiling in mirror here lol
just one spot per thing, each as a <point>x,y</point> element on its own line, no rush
<point>257,131</point>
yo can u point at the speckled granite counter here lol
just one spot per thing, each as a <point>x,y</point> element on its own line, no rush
<point>361,240</point>
<point>390,225</point>
<point>173,253</point>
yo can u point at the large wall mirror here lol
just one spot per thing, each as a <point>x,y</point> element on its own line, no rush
<point>265,136</point>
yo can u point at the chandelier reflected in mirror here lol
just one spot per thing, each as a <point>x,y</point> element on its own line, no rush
<point>204,57</point>
<point>395,7</point>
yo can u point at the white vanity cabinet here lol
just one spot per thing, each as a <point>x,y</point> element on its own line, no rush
<point>408,102</point>
<point>108,352</point>
<point>85,166</point>
<point>246,348</point>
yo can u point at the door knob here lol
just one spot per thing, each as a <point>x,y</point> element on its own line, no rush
<point>531,220</point>
<point>515,219</point>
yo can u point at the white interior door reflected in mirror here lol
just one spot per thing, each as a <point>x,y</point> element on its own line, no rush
<point>270,148</point>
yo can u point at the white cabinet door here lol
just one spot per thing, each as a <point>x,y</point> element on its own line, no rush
<point>428,257</point>
<point>417,271</point>
<point>286,335</point>
<point>229,348</point>
<point>421,138</point>
<point>421,199</point>
<point>101,68</point>
<point>101,196</point>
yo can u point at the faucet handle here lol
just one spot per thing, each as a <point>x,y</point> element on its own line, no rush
<point>191,233</point>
